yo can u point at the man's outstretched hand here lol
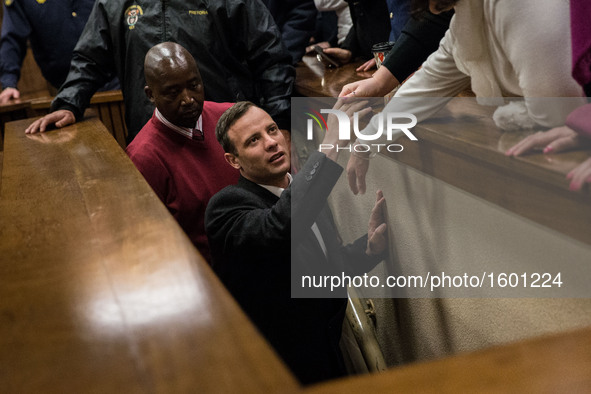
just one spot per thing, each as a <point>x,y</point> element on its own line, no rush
<point>377,231</point>
<point>60,118</point>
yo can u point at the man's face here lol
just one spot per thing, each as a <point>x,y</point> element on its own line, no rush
<point>178,93</point>
<point>262,154</point>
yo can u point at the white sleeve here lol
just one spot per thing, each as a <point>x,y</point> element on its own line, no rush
<point>439,76</point>
<point>428,90</point>
<point>535,38</point>
<point>329,5</point>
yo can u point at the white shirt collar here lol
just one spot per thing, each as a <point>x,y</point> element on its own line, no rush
<point>277,190</point>
<point>194,133</point>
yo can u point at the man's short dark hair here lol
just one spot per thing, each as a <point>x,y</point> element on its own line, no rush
<point>227,120</point>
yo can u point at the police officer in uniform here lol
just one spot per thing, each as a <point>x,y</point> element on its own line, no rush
<point>236,42</point>
<point>53,28</point>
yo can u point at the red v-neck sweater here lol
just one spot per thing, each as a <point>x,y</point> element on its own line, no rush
<point>184,173</point>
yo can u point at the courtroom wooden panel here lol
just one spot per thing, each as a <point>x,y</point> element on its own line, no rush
<point>101,290</point>
<point>553,364</point>
<point>460,159</point>
<point>313,79</point>
<point>462,146</point>
<point>108,106</point>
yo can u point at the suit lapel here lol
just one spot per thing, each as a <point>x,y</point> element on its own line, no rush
<point>324,221</point>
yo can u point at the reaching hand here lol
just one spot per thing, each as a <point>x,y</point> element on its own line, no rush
<point>356,169</point>
<point>377,230</point>
<point>331,138</point>
<point>60,118</point>
<point>9,94</point>
<point>380,84</point>
<point>580,175</point>
<point>555,140</point>
<point>368,65</point>
<point>363,88</point>
<point>343,56</point>
<point>322,44</point>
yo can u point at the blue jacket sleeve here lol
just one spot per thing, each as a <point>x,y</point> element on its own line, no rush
<point>13,44</point>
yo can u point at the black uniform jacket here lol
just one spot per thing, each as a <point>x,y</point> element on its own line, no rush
<point>236,44</point>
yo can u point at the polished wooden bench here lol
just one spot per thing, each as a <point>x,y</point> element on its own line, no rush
<point>313,79</point>
<point>15,110</point>
<point>101,291</point>
<point>108,106</point>
<point>551,364</point>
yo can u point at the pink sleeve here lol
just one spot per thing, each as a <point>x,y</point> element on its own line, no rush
<point>580,120</point>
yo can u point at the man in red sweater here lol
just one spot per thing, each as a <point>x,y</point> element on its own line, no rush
<point>176,151</point>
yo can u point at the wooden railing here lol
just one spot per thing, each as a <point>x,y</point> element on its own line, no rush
<point>459,159</point>
<point>108,106</point>
<point>101,291</point>
<point>463,136</point>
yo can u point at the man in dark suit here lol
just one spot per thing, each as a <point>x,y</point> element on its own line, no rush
<point>257,226</point>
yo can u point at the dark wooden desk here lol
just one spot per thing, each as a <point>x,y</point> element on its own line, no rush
<point>101,291</point>
<point>108,106</point>
<point>18,109</point>
<point>313,79</point>
<point>14,106</point>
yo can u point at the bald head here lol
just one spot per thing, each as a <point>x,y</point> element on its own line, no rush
<point>174,84</point>
<point>164,56</point>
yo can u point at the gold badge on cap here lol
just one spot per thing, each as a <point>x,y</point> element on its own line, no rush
<point>8,2</point>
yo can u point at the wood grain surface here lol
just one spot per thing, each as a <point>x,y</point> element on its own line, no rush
<point>313,79</point>
<point>554,364</point>
<point>101,291</point>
